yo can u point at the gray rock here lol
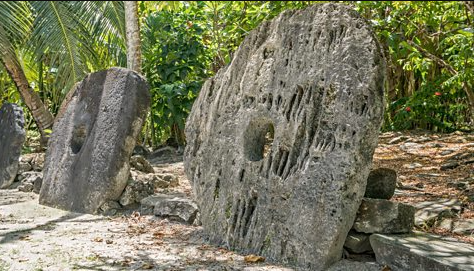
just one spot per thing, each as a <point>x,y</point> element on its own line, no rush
<point>26,187</point>
<point>413,165</point>
<point>170,179</point>
<point>12,137</point>
<point>397,140</point>
<point>110,208</point>
<point>135,192</point>
<point>357,242</point>
<point>381,183</point>
<point>87,161</point>
<point>383,216</point>
<point>23,167</point>
<point>422,252</point>
<point>446,152</point>
<point>428,212</point>
<point>182,208</point>
<point>141,164</point>
<point>173,205</point>
<point>147,205</point>
<point>37,183</point>
<point>280,142</point>
<point>347,265</point>
<point>450,165</point>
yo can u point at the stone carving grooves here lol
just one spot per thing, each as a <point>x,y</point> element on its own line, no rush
<point>12,137</point>
<point>280,142</point>
<point>87,161</point>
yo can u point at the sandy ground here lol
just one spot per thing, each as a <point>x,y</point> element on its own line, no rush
<point>36,237</point>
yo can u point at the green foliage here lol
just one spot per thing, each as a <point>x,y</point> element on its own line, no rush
<point>430,48</point>
<point>174,62</point>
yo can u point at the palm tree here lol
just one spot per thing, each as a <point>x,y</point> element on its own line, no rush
<point>14,26</point>
<point>133,36</point>
<point>76,38</point>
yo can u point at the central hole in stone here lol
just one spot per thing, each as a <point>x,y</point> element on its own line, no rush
<point>258,139</point>
<point>78,137</point>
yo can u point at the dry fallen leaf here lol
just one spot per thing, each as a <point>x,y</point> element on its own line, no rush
<point>147,266</point>
<point>25,237</point>
<point>98,239</point>
<point>254,259</point>
<point>386,268</point>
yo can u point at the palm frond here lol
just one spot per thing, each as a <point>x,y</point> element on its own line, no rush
<point>15,24</point>
<point>55,32</point>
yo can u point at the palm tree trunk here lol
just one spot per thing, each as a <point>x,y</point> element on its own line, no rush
<point>43,118</point>
<point>133,36</point>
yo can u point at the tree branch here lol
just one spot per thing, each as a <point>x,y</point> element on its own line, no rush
<point>436,59</point>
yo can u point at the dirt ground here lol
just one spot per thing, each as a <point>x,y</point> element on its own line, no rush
<point>36,237</point>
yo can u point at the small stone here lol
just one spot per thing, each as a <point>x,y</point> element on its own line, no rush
<point>446,152</point>
<point>357,242</point>
<point>24,167</point>
<point>413,165</point>
<point>435,145</point>
<point>381,183</point>
<point>37,185</point>
<point>141,164</point>
<point>26,187</point>
<point>110,208</point>
<point>38,161</point>
<point>135,191</point>
<point>397,140</point>
<point>410,147</point>
<point>383,216</point>
<point>182,208</point>
<point>450,165</point>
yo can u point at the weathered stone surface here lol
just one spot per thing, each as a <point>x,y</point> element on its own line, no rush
<point>12,136</point>
<point>423,252</point>
<point>347,265</point>
<point>87,161</point>
<point>381,183</point>
<point>357,242</point>
<point>383,216</point>
<point>280,142</point>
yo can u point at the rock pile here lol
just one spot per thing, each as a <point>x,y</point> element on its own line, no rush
<point>377,214</point>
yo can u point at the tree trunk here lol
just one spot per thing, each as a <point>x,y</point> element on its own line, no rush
<point>133,36</point>
<point>43,118</point>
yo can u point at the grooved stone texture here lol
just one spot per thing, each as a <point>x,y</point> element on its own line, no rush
<point>87,161</point>
<point>280,142</point>
<point>12,137</point>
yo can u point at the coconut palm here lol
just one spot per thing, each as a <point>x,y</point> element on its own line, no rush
<point>70,37</point>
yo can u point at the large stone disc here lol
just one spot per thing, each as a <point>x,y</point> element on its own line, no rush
<point>87,161</point>
<point>280,142</point>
